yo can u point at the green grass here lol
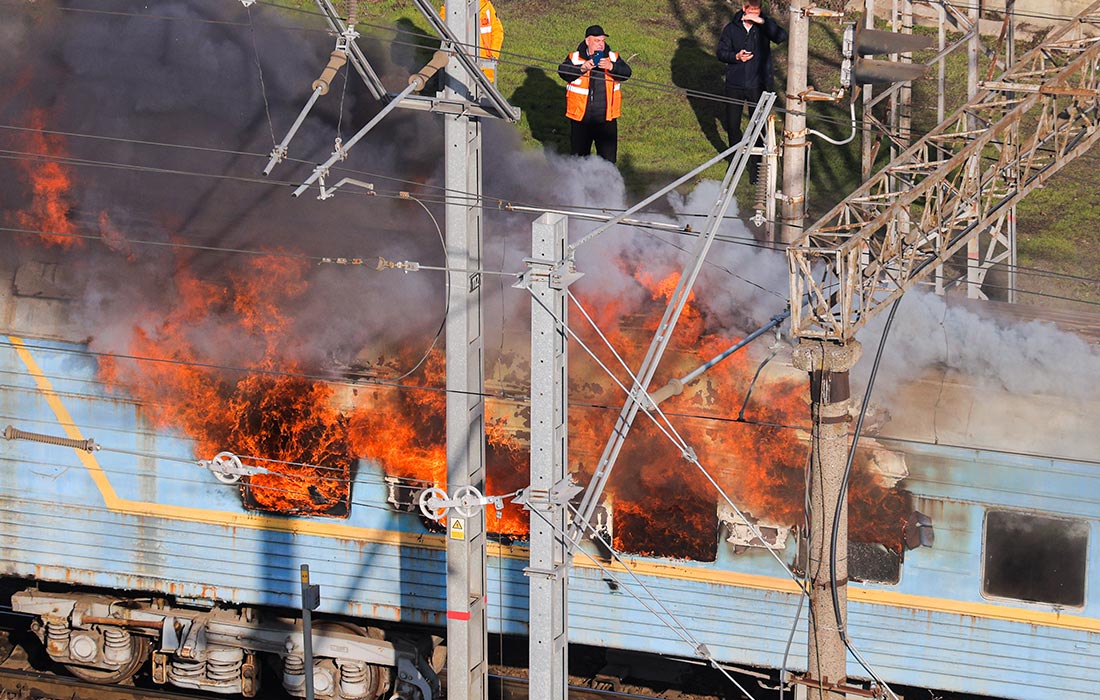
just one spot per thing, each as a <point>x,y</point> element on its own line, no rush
<point>659,135</point>
<point>663,134</point>
<point>1057,229</point>
<point>670,46</point>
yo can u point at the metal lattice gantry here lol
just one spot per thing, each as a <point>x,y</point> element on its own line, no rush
<point>949,188</point>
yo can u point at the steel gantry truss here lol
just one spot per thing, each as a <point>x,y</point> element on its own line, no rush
<point>950,187</point>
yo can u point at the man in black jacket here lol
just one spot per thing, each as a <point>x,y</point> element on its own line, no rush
<point>745,46</point>
<point>593,101</point>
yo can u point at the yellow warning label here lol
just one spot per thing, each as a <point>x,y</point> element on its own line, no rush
<point>458,529</point>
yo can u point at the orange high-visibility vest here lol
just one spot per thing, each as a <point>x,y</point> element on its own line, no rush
<point>576,92</point>
<point>490,31</point>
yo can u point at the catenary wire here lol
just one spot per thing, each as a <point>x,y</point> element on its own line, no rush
<point>726,239</point>
<point>1022,270</point>
<point>526,62</point>
<point>40,156</point>
<point>664,616</point>
<point>314,13</point>
<point>664,425</point>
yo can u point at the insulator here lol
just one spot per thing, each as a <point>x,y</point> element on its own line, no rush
<point>438,63</point>
<point>224,665</point>
<point>336,61</point>
<point>116,645</point>
<point>13,433</point>
<point>761,183</point>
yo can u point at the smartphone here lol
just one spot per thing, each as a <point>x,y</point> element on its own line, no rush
<point>598,56</point>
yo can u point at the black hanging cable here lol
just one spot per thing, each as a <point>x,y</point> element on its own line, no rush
<point>844,494</point>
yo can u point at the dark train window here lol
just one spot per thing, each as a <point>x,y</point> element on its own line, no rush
<point>1034,558</point>
<point>872,562</point>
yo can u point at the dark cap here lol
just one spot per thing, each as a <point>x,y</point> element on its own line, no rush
<point>595,30</point>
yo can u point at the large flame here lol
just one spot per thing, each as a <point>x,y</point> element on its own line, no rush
<point>262,405</point>
<point>264,411</point>
<point>50,183</point>
<point>664,504</point>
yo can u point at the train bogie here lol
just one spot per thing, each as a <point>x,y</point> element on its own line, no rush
<point>106,639</point>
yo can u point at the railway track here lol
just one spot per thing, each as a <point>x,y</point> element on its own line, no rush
<point>28,684</point>
<point>29,675</point>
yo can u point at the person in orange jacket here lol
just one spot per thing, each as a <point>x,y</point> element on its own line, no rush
<point>491,32</point>
<point>593,101</point>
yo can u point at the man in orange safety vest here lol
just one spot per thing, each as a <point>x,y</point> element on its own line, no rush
<point>593,101</point>
<point>491,33</point>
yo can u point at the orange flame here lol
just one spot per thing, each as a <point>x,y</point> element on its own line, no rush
<point>264,412</point>
<point>50,182</point>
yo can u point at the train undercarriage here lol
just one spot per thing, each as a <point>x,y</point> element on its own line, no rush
<point>107,639</point>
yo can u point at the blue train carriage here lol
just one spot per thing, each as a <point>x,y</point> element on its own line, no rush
<point>139,553</point>
<point>1006,602</point>
<point>142,553</point>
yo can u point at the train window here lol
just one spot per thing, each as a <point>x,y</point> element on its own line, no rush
<point>1035,558</point>
<point>873,563</point>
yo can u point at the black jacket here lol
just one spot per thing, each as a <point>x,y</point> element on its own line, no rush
<point>757,39</point>
<point>596,110</point>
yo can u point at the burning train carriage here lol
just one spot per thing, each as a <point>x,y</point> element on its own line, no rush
<point>161,549</point>
<point>142,531</point>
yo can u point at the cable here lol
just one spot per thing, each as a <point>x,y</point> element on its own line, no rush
<point>446,297</point>
<point>444,192</point>
<point>525,61</point>
<point>665,616</point>
<point>1026,270</point>
<point>851,136</point>
<point>842,500</point>
<point>664,425</point>
<point>260,71</point>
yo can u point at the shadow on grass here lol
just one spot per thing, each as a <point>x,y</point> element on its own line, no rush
<point>541,96</point>
<point>694,70</point>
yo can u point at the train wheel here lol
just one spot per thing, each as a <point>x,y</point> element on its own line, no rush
<point>139,654</point>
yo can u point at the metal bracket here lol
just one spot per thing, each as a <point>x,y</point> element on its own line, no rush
<point>545,573</point>
<point>644,400</point>
<point>326,193</point>
<point>467,500</point>
<point>559,273</point>
<point>228,469</point>
<point>559,494</point>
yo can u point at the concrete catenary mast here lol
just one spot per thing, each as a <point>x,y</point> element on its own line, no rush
<point>928,204</point>
<point>467,97</point>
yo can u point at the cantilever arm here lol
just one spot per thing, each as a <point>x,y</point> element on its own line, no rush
<point>336,61</point>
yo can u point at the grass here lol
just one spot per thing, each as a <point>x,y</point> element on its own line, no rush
<point>664,133</point>
<point>1057,230</point>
